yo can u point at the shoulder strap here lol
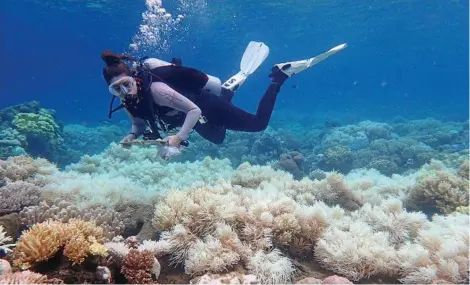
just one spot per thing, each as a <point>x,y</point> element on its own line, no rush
<point>111,109</point>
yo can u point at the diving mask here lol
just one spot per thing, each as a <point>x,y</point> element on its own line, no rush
<point>122,86</point>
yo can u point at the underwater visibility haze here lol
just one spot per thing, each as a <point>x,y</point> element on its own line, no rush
<point>360,175</point>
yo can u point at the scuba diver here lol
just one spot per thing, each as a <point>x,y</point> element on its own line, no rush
<point>160,96</point>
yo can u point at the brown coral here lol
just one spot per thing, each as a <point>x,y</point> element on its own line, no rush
<point>464,169</point>
<point>44,240</point>
<point>18,168</point>
<point>137,267</point>
<point>39,243</point>
<point>334,190</point>
<point>440,188</point>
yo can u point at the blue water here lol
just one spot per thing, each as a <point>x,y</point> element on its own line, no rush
<point>404,58</point>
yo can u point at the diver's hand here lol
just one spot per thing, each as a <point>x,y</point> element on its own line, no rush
<point>173,141</point>
<point>126,139</point>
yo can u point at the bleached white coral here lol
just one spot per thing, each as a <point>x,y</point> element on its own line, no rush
<point>271,267</point>
<point>209,255</point>
<point>118,175</point>
<point>217,252</point>
<point>440,252</point>
<point>370,186</point>
<point>158,248</point>
<point>391,217</point>
<point>357,253</point>
<point>4,239</point>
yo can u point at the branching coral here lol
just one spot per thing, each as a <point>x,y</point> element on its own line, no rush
<point>334,190</point>
<point>358,252</point>
<point>4,246</point>
<point>390,217</point>
<point>439,187</point>
<point>250,176</point>
<point>137,261</point>
<point>388,241</point>
<point>216,253</point>
<point>138,267</point>
<point>39,243</point>
<point>108,219</point>
<point>26,277</point>
<point>14,196</point>
<point>439,254</point>
<point>271,268</point>
<point>211,229</point>
<point>44,240</point>
<point>226,278</point>
<point>18,168</point>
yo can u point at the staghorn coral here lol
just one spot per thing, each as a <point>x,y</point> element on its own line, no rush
<point>4,246</point>
<point>138,267</point>
<point>44,240</point>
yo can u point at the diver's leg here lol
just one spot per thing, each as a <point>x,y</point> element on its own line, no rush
<point>213,133</point>
<point>227,94</point>
<point>232,117</point>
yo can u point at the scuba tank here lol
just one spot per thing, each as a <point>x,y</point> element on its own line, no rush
<point>213,85</point>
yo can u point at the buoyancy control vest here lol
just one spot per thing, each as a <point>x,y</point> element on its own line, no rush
<point>188,81</point>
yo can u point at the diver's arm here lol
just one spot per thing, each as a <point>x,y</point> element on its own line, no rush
<point>164,95</point>
<point>138,125</point>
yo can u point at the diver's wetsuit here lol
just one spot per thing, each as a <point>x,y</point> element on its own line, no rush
<point>218,111</point>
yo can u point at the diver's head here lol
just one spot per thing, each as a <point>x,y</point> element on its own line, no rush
<point>117,75</point>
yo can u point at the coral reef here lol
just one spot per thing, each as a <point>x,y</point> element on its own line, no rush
<point>14,196</point>
<point>138,267</point>
<point>4,246</point>
<point>25,277</point>
<point>441,188</point>
<point>44,240</point>
<point>109,220</point>
<point>371,202</point>
<point>42,133</point>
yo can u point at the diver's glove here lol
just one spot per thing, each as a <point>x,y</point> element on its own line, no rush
<point>277,75</point>
<point>166,152</point>
<point>130,137</point>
